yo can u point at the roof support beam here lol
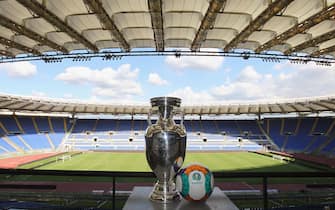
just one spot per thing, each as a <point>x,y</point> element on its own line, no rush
<point>9,104</point>
<point>312,42</point>
<point>43,12</point>
<point>215,6</point>
<point>39,107</point>
<point>293,107</point>
<point>249,109</point>
<point>228,110</point>
<point>24,105</point>
<point>266,15</point>
<point>324,104</point>
<point>10,43</point>
<point>6,53</point>
<point>282,109</point>
<point>2,101</point>
<point>4,21</point>
<point>308,105</point>
<point>296,108</point>
<point>51,108</point>
<point>324,51</point>
<point>325,14</point>
<point>97,7</point>
<point>238,109</point>
<point>155,8</point>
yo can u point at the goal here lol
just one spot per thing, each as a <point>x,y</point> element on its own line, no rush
<point>63,158</point>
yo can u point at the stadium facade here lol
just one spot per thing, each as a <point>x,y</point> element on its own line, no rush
<point>297,137</point>
<point>299,126</point>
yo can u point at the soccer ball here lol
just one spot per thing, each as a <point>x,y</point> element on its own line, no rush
<point>195,182</point>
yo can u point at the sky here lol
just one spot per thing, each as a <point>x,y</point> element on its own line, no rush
<point>196,80</point>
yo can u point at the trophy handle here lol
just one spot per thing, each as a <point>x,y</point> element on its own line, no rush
<point>179,111</point>
<point>149,118</point>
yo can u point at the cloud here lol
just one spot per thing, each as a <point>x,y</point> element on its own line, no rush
<point>294,81</point>
<point>191,97</point>
<point>38,93</point>
<point>120,101</point>
<point>22,69</point>
<point>155,79</point>
<point>129,89</point>
<point>305,81</point>
<point>68,96</point>
<point>209,63</point>
<point>107,82</point>
<point>245,86</point>
<point>249,74</point>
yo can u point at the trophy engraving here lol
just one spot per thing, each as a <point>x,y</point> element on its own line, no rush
<point>165,147</point>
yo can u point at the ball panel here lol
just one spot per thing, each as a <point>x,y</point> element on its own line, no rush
<point>191,168</point>
<point>185,185</point>
<point>197,185</point>
<point>208,183</point>
<point>195,182</point>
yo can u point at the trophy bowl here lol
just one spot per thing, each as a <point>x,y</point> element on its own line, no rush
<point>165,147</point>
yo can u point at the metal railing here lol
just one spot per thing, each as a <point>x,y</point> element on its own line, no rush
<point>264,176</point>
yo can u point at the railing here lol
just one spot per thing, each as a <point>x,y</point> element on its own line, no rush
<point>115,174</point>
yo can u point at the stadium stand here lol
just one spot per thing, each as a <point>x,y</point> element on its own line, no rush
<point>297,135</point>
<point>59,125</point>
<point>37,141</point>
<point>274,131</point>
<point>17,139</point>
<point>10,124</point>
<point>83,126</point>
<point>294,135</point>
<point>105,125</point>
<point>42,124</point>
<point>48,134</point>
<point>28,134</point>
<point>138,125</point>
<point>27,124</point>
<point>5,146</point>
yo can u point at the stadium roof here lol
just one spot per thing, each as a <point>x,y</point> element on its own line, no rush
<point>38,27</point>
<point>32,104</point>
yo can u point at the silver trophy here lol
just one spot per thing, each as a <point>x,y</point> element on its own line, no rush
<point>165,147</point>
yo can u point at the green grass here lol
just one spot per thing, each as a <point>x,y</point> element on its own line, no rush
<point>229,161</point>
<point>219,161</point>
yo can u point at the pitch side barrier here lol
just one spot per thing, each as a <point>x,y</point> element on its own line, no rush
<point>118,174</point>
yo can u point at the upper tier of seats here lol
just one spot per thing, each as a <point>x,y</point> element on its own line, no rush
<point>25,133</point>
<point>304,135</point>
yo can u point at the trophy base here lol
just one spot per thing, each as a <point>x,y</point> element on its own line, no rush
<point>164,193</point>
<point>139,200</point>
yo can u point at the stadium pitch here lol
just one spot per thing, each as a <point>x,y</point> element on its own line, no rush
<point>136,161</point>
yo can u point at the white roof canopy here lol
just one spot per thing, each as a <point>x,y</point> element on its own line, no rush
<point>288,26</point>
<point>33,104</point>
